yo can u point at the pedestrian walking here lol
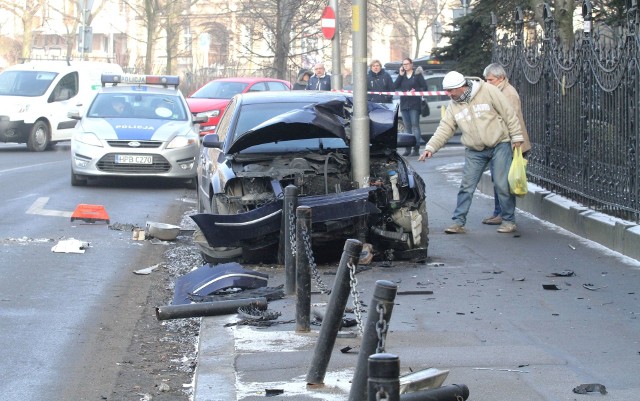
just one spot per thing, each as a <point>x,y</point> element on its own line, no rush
<point>490,130</point>
<point>303,79</point>
<point>496,75</point>
<point>379,80</point>
<point>410,80</point>
<point>320,80</point>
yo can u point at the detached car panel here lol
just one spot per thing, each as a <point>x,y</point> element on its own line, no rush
<point>267,142</point>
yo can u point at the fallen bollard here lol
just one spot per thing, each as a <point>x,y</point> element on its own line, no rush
<point>374,336</point>
<point>208,308</point>
<point>453,392</point>
<point>335,310</point>
<point>383,382</point>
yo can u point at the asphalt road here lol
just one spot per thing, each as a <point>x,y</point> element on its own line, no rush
<point>64,316</point>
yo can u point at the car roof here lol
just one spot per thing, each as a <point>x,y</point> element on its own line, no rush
<point>249,79</point>
<point>126,88</point>
<point>289,96</point>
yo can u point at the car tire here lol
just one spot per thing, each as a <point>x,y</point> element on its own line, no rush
<point>78,180</point>
<point>39,137</point>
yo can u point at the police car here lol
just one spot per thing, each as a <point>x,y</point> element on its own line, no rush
<point>136,126</point>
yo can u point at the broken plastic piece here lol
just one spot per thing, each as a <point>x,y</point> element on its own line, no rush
<point>564,273</point>
<point>590,286</point>
<point>90,213</point>
<point>70,246</point>
<point>550,286</point>
<point>590,388</point>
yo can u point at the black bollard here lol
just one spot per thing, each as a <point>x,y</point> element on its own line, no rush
<point>384,381</point>
<point>303,274</point>
<point>226,307</point>
<point>288,209</point>
<point>384,294</point>
<point>453,392</point>
<point>335,311</point>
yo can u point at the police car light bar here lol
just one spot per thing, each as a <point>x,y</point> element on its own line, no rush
<point>164,80</point>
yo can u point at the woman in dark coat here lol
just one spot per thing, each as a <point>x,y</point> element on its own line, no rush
<point>379,80</point>
<point>303,80</point>
<point>410,106</point>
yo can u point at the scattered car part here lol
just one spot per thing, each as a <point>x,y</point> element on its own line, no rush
<point>209,279</point>
<point>422,380</point>
<point>453,392</point>
<point>163,231</point>
<point>590,388</point>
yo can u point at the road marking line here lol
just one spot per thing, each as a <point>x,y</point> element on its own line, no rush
<point>37,207</point>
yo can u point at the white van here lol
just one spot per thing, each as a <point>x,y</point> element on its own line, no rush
<point>35,97</point>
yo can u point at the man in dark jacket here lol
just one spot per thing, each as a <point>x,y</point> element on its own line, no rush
<point>379,80</point>
<point>320,81</point>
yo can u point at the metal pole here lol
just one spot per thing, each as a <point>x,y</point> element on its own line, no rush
<point>384,381</point>
<point>216,308</point>
<point>336,60</point>
<point>335,310</point>
<point>303,274</point>
<point>360,120</point>
<point>384,294</point>
<point>454,392</point>
<point>288,208</point>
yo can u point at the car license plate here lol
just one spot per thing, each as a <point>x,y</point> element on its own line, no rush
<point>134,159</point>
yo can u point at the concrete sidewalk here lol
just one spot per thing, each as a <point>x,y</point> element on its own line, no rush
<point>489,321</point>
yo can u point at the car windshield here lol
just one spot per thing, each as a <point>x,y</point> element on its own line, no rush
<point>25,83</point>
<point>252,115</point>
<point>219,90</point>
<point>134,105</point>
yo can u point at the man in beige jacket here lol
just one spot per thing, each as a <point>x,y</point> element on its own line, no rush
<point>496,75</point>
<point>490,130</point>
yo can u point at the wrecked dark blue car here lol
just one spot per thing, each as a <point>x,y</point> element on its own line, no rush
<point>267,141</point>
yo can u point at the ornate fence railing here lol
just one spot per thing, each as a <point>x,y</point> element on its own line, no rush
<point>580,105</point>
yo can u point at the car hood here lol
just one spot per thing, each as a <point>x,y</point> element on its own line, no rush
<point>322,120</point>
<point>139,129</point>
<point>199,105</point>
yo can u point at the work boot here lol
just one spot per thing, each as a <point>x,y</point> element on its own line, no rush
<point>507,227</point>
<point>455,229</point>
<point>407,152</point>
<point>492,221</point>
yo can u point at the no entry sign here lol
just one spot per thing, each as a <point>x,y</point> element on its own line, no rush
<point>328,23</point>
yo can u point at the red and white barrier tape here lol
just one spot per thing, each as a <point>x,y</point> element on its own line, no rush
<point>414,93</point>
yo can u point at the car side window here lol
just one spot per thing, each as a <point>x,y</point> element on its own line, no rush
<point>66,88</point>
<point>258,87</point>
<point>225,121</point>
<point>277,86</point>
<point>435,84</point>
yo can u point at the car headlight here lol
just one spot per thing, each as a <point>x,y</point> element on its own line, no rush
<point>210,113</point>
<point>181,141</point>
<point>88,138</point>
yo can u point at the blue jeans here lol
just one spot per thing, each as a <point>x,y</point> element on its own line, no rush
<point>475,162</point>
<point>411,120</point>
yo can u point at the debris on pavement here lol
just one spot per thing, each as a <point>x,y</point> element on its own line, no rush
<point>550,286</point>
<point>147,270</point>
<point>564,273</point>
<point>270,392</point>
<point>592,287</point>
<point>590,388</point>
<point>70,246</point>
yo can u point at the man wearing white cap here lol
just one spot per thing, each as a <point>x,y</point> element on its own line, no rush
<point>490,130</point>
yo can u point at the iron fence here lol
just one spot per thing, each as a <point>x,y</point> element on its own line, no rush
<point>580,106</point>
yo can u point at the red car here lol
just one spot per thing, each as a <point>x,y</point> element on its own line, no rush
<point>213,98</point>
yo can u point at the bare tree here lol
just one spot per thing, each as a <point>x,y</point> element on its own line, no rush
<point>277,27</point>
<point>27,12</point>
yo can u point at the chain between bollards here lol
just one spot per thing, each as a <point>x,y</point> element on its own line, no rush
<point>289,205</point>
<point>384,294</point>
<point>303,275</point>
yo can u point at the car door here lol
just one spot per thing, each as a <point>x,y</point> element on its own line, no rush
<point>429,124</point>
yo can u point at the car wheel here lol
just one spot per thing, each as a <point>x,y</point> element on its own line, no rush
<point>39,137</point>
<point>78,180</point>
